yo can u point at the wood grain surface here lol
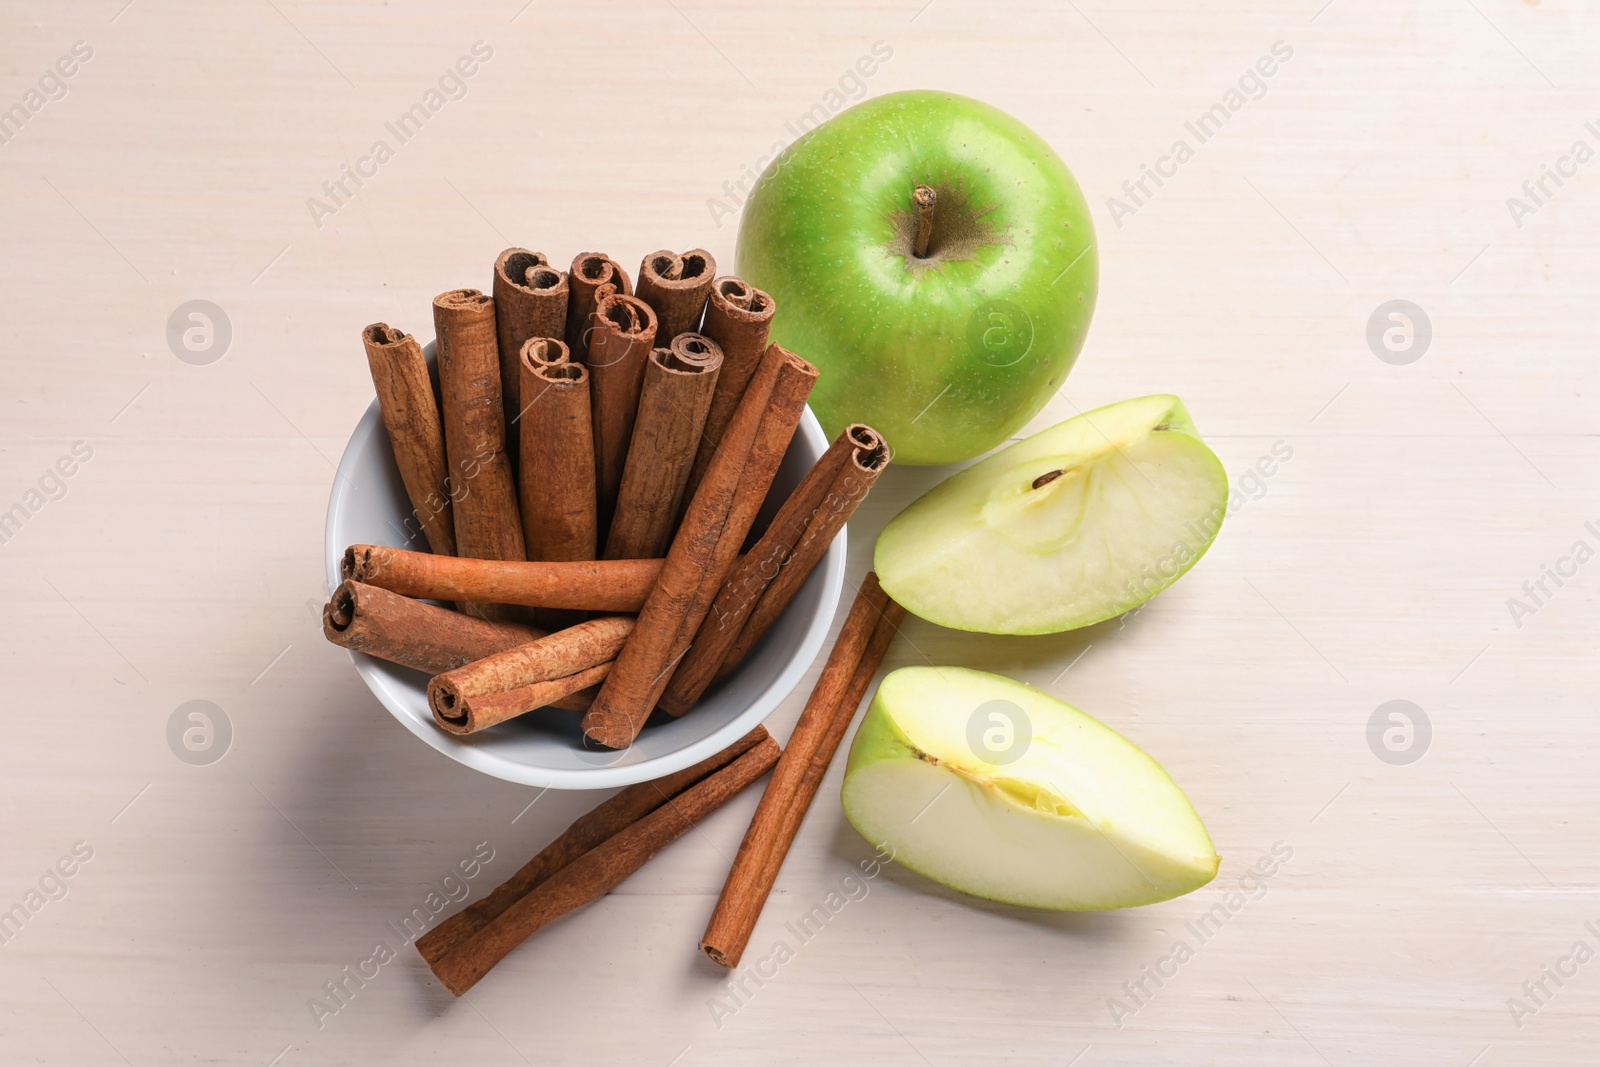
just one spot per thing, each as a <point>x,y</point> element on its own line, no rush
<point>181,558</point>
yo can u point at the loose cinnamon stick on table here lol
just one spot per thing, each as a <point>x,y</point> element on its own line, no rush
<point>597,871</point>
<point>868,630</point>
<point>614,815</point>
<point>624,332</point>
<point>738,318</point>
<point>676,286</point>
<point>773,571</point>
<point>618,585</point>
<point>590,271</point>
<point>530,300</point>
<point>491,690</point>
<point>556,479</point>
<point>705,548</point>
<point>678,383</point>
<point>410,413</point>
<point>365,618</point>
<point>488,525</point>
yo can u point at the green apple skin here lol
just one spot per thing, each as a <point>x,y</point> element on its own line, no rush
<point>1134,499</point>
<point>1083,820</point>
<point>948,355</point>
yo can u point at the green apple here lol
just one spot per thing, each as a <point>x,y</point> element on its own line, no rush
<point>945,345</point>
<point>991,787</point>
<point>1076,524</point>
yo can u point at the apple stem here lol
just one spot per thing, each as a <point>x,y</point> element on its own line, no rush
<point>1045,479</point>
<point>923,197</point>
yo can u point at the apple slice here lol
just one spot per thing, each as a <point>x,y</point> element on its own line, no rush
<point>1074,525</point>
<point>991,787</point>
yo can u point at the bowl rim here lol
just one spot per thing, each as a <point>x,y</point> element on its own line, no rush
<point>831,570</point>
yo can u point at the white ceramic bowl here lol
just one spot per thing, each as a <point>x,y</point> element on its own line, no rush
<point>546,748</point>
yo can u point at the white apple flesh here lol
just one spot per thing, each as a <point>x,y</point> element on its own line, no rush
<point>1074,525</point>
<point>993,788</point>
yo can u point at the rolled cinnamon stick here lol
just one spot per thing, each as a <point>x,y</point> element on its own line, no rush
<point>614,815</point>
<point>676,286</point>
<point>491,690</point>
<point>590,271</point>
<point>866,460</point>
<point>678,383</point>
<point>545,354</point>
<point>469,715</point>
<point>530,300</point>
<point>597,871</point>
<point>604,585</point>
<point>364,618</point>
<point>410,413</point>
<point>488,525</point>
<point>772,572</point>
<point>738,318</point>
<point>556,479</point>
<point>624,331</point>
<point>858,652</point>
<point>883,635</point>
<point>424,637</point>
<point>705,548</point>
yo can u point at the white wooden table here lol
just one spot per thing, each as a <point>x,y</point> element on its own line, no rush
<point>182,559</point>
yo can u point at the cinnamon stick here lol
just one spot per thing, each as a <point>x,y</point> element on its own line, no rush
<point>618,585</point>
<point>678,383</point>
<point>773,571</point>
<point>857,654</point>
<point>410,413</point>
<point>706,546</point>
<point>590,271</point>
<point>597,871</point>
<point>556,479</point>
<point>491,690</point>
<point>612,816</point>
<point>738,318</point>
<point>623,333</point>
<point>487,522</point>
<point>530,300</point>
<point>469,715</point>
<point>546,354</point>
<point>365,618</point>
<point>676,286</point>
<point>866,460</point>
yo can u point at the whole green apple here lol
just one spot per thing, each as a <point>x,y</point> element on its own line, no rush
<point>935,259</point>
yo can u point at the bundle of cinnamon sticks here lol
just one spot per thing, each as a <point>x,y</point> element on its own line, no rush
<point>586,465</point>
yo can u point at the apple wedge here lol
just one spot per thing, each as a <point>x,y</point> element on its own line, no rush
<point>993,788</point>
<point>1074,525</point>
